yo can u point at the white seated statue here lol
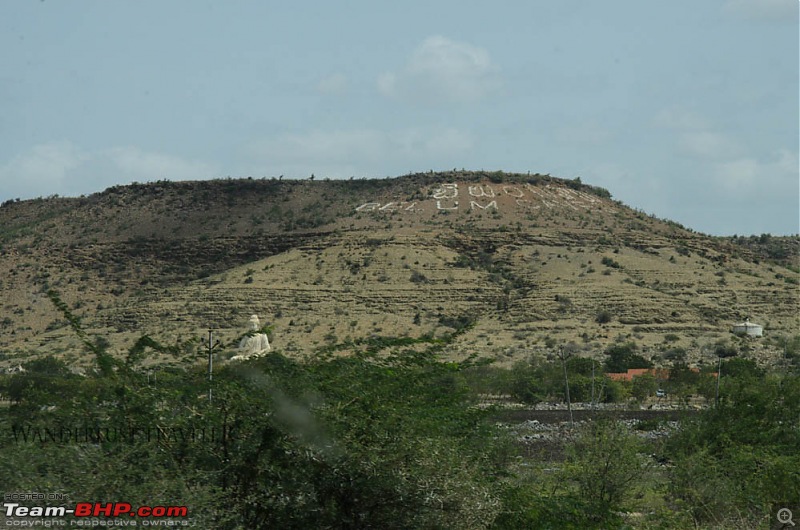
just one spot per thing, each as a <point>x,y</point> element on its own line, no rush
<point>254,344</point>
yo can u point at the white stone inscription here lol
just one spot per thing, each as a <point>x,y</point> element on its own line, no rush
<point>388,207</point>
<point>481,191</point>
<point>446,191</point>
<point>485,197</point>
<point>473,205</point>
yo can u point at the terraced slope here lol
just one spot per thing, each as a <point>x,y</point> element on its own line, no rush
<point>531,260</point>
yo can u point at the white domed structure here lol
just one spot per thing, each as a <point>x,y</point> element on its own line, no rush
<point>748,328</point>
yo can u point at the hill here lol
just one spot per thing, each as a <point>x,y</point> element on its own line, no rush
<point>521,262</point>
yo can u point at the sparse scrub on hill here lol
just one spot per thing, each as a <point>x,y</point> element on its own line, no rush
<point>418,277</point>
<point>139,251</point>
<point>604,316</point>
<point>675,354</point>
<point>608,262</point>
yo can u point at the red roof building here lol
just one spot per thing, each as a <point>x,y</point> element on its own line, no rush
<point>658,373</point>
<point>662,374</point>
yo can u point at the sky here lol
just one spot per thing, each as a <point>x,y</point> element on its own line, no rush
<point>685,109</point>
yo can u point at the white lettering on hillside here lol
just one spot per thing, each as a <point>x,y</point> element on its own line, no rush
<point>473,205</point>
<point>525,196</point>
<point>480,191</point>
<point>388,207</point>
<point>446,191</point>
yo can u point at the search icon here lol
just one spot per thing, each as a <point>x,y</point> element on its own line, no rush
<point>785,516</point>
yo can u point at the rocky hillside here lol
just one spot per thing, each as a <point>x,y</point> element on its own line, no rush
<point>529,261</point>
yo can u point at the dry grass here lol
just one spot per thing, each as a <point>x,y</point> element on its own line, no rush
<point>171,260</point>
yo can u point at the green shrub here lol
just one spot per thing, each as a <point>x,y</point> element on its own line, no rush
<point>603,316</point>
<point>621,357</point>
<point>606,464</point>
<point>608,262</point>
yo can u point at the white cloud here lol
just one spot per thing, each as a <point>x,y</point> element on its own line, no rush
<point>724,174</point>
<point>320,145</point>
<point>343,153</point>
<point>708,144</point>
<point>695,136</point>
<point>142,165</point>
<point>42,170</point>
<point>439,70</point>
<point>635,188</point>
<point>774,177</point>
<point>333,84</point>
<point>64,169</point>
<point>679,118</point>
<point>764,10</point>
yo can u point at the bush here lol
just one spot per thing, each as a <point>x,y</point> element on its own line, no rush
<point>609,262</point>
<point>526,384</point>
<point>606,464</point>
<point>743,368</point>
<point>644,386</point>
<point>675,354</point>
<point>735,461</point>
<point>723,349</point>
<point>418,277</point>
<point>346,442</point>
<point>603,317</point>
<point>622,356</point>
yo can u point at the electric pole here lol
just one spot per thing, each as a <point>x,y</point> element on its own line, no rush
<point>210,361</point>
<point>564,356</point>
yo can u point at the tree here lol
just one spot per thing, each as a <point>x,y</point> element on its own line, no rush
<point>644,386</point>
<point>526,385</point>
<point>722,350</point>
<point>606,464</point>
<point>743,368</point>
<point>734,461</point>
<point>41,384</point>
<point>622,356</point>
<point>388,442</point>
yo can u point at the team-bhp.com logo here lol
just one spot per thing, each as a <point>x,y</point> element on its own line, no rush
<point>95,509</point>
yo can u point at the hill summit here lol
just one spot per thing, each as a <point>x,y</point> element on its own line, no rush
<point>518,263</point>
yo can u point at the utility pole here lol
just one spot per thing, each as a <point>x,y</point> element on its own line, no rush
<point>719,373</point>
<point>564,356</point>
<point>210,361</point>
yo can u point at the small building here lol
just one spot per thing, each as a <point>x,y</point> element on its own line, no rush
<point>748,328</point>
<point>659,373</point>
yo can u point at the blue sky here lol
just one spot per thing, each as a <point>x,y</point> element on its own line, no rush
<point>685,109</point>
